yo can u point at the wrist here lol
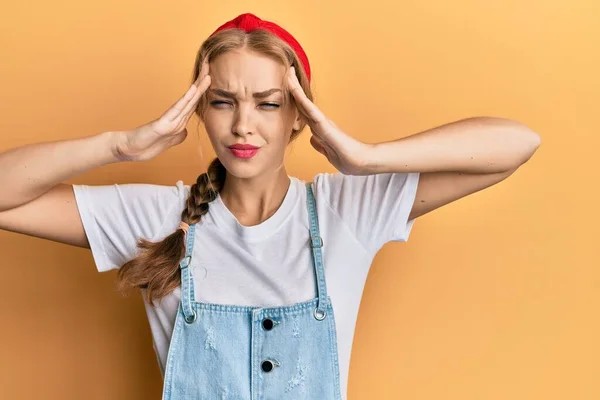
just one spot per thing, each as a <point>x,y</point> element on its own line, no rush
<point>111,141</point>
<point>373,163</point>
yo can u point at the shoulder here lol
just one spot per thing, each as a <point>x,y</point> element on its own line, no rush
<point>116,216</point>
<point>135,191</point>
<point>365,186</point>
<point>132,204</point>
<point>375,207</point>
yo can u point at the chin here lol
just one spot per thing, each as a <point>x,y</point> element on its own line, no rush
<point>240,168</point>
<point>242,173</point>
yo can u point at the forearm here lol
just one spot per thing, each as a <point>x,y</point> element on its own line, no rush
<point>473,145</point>
<point>29,171</point>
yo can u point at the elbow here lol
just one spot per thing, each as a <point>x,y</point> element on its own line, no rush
<point>531,142</point>
<point>524,140</point>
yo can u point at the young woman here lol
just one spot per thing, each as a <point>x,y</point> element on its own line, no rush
<point>252,278</point>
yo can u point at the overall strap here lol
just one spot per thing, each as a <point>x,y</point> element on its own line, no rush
<point>316,242</point>
<point>188,296</point>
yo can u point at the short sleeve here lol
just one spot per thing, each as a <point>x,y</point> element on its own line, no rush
<point>116,216</point>
<point>375,207</point>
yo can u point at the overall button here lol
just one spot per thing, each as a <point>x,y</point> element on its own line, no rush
<point>191,318</point>
<point>267,324</point>
<point>268,365</point>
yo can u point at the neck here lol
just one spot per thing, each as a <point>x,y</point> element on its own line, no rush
<point>254,200</point>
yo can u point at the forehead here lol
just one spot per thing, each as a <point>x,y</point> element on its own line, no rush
<point>244,72</point>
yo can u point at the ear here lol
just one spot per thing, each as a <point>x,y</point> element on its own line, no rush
<point>297,121</point>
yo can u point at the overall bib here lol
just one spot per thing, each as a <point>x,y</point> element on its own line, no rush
<point>231,352</point>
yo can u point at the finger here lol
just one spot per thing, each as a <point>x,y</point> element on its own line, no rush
<point>187,111</point>
<point>199,85</point>
<point>176,108</point>
<point>204,69</point>
<point>203,72</point>
<point>306,107</point>
<point>302,102</point>
<point>333,123</point>
<point>188,102</point>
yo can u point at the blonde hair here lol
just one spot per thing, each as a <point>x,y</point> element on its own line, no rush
<point>156,268</point>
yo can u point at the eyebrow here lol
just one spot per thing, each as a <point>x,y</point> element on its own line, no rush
<point>257,95</point>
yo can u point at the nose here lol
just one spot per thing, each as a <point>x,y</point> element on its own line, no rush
<point>242,124</point>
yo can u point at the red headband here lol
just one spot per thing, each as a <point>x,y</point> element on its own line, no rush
<point>249,22</point>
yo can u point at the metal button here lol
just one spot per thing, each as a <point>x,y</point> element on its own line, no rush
<point>267,324</point>
<point>191,319</point>
<point>319,315</point>
<point>268,365</point>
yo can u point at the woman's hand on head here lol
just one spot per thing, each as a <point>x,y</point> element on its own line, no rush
<point>347,154</point>
<point>147,141</point>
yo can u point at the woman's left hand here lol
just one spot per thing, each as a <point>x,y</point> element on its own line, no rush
<point>348,155</point>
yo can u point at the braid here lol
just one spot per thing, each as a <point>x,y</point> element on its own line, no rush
<point>203,192</point>
<point>156,269</point>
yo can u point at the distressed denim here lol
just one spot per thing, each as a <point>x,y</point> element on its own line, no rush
<point>229,352</point>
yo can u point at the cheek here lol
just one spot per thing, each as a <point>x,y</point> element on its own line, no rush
<point>214,129</point>
<point>214,121</point>
<point>280,121</point>
<point>217,127</point>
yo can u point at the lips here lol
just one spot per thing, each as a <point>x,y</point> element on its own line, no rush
<point>243,147</point>
<point>243,150</point>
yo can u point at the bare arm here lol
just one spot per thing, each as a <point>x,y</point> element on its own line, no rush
<point>27,172</point>
<point>35,201</point>
<point>53,216</point>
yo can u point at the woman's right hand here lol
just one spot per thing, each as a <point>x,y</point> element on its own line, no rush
<point>149,140</point>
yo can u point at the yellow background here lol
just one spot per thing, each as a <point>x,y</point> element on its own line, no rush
<point>494,296</point>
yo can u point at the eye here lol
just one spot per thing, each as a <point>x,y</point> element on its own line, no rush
<point>218,102</point>
<point>270,105</point>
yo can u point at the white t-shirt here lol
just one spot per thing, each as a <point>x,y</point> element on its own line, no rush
<point>269,264</point>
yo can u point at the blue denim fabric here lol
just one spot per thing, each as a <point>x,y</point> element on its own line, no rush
<point>217,351</point>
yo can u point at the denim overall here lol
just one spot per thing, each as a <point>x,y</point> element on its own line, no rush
<point>230,352</point>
